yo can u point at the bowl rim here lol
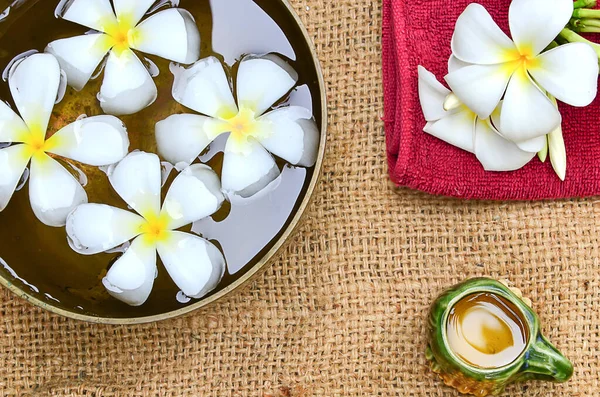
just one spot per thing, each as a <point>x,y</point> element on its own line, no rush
<point>256,269</point>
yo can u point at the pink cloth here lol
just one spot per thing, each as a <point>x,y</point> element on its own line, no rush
<point>418,32</point>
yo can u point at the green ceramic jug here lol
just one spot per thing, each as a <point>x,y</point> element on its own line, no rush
<point>463,365</point>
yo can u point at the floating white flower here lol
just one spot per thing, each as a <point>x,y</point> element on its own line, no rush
<point>194,264</point>
<point>127,87</point>
<point>34,83</point>
<point>496,68</point>
<point>453,122</point>
<point>289,132</point>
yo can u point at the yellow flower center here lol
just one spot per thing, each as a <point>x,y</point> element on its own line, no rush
<point>524,57</point>
<point>528,61</point>
<point>122,35</point>
<point>36,142</point>
<point>155,229</point>
<point>243,125</point>
<point>121,38</point>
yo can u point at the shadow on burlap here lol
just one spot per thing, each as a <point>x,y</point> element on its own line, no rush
<point>343,313</point>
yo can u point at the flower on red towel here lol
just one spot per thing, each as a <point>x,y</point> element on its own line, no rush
<point>504,91</point>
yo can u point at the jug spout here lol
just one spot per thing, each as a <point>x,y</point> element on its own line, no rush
<point>544,362</point>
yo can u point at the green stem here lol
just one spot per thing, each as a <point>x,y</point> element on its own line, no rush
<point>591,22</point>
<point>573,37</point>
<point>585,13</point>
<point>584,4</point>
<point>585,25</point>
<point>561,40</point>
<point>552,45</point>
<point>588,29</point>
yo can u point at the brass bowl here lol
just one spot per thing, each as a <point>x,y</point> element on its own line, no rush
<point>277,246</point>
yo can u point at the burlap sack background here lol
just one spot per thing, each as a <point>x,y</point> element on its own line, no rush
<point>343,312</point>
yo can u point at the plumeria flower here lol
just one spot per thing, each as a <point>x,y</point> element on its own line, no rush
<point>289,132</point>
<point>53,192</point>
<point>127,87</point>
<point>520,72</point>
<point>194,264</point>
<point>451,121</point>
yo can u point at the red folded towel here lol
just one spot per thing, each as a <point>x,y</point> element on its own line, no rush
<point>418,32</point>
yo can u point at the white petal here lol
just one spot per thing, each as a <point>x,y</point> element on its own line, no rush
<point>12,127</point>
<point>526,111</point>
<point>34,84</point>
<point>95,228</point>
<point>204,88</point>
<point>558,152</point>
<point>194,264</point>
<point>80,56</point>
<point>480,87</point>
<point>262,81</point>
<point>477,38</point>
<point>247,174</point>
<point>95,14</point>
<point>13,161</point>
<point>452,103</point>
<point>432,95</point>
<point>127,87</point>
<point>495,118</point>
<point>193,195</point>
<point>556,148</point>
<point>137,179</point>
<point>131,278</point>
<point>131,12</point>
<point>457,129</point>
<point>543,154</point>
<point>293,135</point>
<point>181,138</point>
<point>533,145</point>
<point>568,72</point>
<point>53,191</point>
<point>455,64</point>
<point>98,141</point>
<point>535,23</point>
<point>496,153</point>
<point>171,34</point>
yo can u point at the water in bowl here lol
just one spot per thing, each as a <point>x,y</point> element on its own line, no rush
<point>38,259</point>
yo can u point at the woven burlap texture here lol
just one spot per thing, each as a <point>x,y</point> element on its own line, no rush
<point>343,312</point>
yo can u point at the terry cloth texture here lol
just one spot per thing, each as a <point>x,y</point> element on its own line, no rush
<point>418,32</point>
<point>343,312</point>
